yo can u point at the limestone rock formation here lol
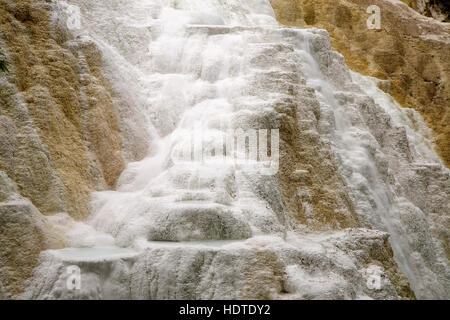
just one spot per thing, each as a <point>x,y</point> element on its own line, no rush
<point>57,118</point>
<point>410,52</point>
<point>60,137</point>
<point>24,233</point>
<point>254,269</point>
<point>359,206</point>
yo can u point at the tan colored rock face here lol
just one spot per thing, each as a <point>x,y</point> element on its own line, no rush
<point>312,188</point>
<point>410,51</point>
<point>57,117</point>
<point>24,233</point>
<point>59,135</point>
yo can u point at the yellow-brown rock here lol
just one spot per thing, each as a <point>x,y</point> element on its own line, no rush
<point>59,135</point>
<point>411,51</point>
<point>57,116</point>
<point>308,176</point>
<point>24,233</point>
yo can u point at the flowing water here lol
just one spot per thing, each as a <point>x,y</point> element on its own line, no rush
<point>195,69</point>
